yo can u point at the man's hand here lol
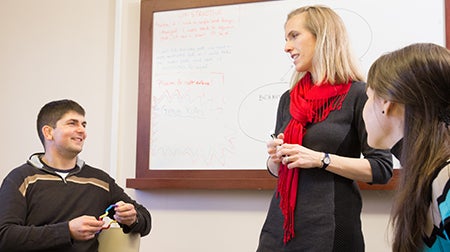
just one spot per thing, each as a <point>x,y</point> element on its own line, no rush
<point>84,227</point>
<point>125,213</point>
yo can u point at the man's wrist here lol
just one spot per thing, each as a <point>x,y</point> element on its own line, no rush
<point>137,219</point>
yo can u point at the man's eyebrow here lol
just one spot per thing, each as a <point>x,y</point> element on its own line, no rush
<point>76,120</point>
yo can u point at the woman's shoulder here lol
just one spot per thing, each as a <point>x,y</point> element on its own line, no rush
<point>358,87</point>
<point>441,182</point>
<point>443,171</point>
<point>285,98</point>
<point>286,94</point>
<point>357,94</point>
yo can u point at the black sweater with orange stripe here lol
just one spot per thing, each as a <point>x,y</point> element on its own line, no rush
<point>36,205</point>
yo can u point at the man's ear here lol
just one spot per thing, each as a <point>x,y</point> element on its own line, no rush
<point>47,131</point>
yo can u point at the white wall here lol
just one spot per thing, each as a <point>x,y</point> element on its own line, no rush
<point>52,49</point>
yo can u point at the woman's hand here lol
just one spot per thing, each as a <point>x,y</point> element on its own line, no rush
<point>297,156</point>
<point>272,147</point>
<point>273,163</point>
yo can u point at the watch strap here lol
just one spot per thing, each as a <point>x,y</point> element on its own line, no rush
<point>325,161</point>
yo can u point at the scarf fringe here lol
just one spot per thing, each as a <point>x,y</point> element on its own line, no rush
<point>288,227</point>
<point>328,105</point>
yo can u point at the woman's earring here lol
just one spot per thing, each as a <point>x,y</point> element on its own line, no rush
<point>382,112</point>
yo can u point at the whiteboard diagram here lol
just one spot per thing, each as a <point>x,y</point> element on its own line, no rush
<point>218,73</point>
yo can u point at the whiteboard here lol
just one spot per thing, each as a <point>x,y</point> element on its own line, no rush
<point>218,73</point>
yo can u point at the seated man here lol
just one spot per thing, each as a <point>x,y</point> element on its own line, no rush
<point>53,201</point>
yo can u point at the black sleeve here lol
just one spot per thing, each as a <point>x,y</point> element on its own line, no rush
<point>143,224</point>
<point>283,115</point>
<point>380,160</point>
<point>397,149</point>
<point>14,231</point>
<point>283,119</point>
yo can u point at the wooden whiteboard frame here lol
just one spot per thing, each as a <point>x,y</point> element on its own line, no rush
<point>197,179</point>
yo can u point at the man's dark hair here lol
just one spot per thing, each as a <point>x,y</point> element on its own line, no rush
<point>51,112</point>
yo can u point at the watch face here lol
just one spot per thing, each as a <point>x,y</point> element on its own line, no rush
<point>326,160</point>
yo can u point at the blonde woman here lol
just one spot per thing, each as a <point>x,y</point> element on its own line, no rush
<point>320,135</point>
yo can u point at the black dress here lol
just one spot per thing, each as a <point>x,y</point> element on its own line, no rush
<point>328,209</point>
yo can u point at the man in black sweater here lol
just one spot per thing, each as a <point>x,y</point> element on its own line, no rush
<point>53,201</point>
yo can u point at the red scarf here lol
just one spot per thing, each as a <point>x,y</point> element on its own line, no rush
<point>309,104</point>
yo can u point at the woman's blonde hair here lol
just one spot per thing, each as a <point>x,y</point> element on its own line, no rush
<point>333,61</point>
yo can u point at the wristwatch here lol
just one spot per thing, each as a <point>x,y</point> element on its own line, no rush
<point>325,161</point>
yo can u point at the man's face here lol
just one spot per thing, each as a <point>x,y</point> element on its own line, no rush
<point>69,134</point>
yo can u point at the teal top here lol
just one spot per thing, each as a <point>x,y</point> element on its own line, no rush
<point>438,228</point>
